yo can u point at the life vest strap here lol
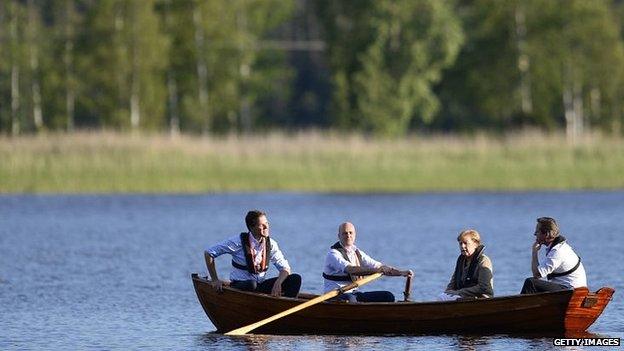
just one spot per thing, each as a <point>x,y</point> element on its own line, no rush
<point>250,265</point>
<point>343,252</point>
<point>239,266</point>
<point>569,271</point>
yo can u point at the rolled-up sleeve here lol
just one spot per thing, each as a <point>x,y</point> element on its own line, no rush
<point>336,263</point>
<point>369,262</point>
<point>553,261</point>
<point>277,257</point>
<point>227,246</point>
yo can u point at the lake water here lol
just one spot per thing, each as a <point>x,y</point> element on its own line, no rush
<point>112,271</point>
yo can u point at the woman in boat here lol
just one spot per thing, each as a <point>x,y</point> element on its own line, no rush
<point>473,276</point>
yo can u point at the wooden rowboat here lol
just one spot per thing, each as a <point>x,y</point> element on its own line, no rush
<point>553,312</point>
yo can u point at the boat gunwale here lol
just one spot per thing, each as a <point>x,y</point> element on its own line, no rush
<point>396,303</point>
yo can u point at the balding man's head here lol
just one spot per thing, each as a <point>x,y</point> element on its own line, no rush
<point>346,234</point>
<point>346,226</point>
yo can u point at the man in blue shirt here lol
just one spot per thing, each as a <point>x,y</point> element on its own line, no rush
<point>251,253</point>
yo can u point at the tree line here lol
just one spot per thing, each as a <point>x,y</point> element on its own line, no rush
<point>383,67</point>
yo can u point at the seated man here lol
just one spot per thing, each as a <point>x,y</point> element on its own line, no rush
<point>345,263</point>
<point>251,253</point>
<point>562,266</point>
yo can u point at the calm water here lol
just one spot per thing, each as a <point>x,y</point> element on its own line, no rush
<point>112,272</point>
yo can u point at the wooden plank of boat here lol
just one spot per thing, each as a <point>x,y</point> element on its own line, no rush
<point>568,310</point>
<point>585,307</point>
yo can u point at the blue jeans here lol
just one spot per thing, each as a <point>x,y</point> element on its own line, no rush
<point>369,296</point>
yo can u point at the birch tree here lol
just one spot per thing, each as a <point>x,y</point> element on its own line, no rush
<point>69,15</point>
<point>200,64</point>
<point>552,64</point>
<point>124,64</point>
<point>168,15</point>
<point>5,115</point>
<point>34,32</point>
<point>397,51</point>
<point>580,42</point>
<point>15,49</point>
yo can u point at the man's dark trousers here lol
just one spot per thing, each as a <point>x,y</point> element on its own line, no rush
<point>536,285</point>
<point>290,285</point>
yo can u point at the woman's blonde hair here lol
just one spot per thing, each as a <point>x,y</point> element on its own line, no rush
<point>472,234</point>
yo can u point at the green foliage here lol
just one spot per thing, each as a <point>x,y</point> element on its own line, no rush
<point>222,37</point>
<point>347,34</point>
<point>13,65</point>
<point>414,42</point>
<point>386,57</point>
<point>122,46</point>
<point>214,66</point>
<point>480,89</point>
<point>565,43</point>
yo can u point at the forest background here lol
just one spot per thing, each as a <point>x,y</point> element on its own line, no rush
<point>333,95</point>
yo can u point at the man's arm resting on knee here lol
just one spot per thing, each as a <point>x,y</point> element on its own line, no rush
<point>277,286</point>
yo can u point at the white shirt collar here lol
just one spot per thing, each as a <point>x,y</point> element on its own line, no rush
<point>350,249</point>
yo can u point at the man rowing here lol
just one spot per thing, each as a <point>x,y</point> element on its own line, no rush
<point>562,267</point>
<point>251,253</point>
<point>345,263</point>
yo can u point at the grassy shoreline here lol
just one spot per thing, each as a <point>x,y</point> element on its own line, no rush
<point>109,163</point>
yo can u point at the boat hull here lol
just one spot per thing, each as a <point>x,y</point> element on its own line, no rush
<point>563,311</point>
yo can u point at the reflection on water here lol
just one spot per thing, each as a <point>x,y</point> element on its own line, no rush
<point>390,342</point>
<point>112,272</point>
<point>470,343</point>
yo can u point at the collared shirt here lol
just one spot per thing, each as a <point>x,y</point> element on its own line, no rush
<point>559,259</point>
<point>335,264</point>
<point>234,247</point>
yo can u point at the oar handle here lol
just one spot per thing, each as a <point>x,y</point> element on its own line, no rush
<point>408,288</point>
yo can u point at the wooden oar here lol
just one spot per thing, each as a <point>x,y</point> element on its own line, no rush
<point>314,301</point>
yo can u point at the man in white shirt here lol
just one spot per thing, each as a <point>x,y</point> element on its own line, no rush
<point>345,263</point>
<point>561,267</point>
<point>251,253</point>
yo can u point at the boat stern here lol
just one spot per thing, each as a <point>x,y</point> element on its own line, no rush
<point>585,307</point>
